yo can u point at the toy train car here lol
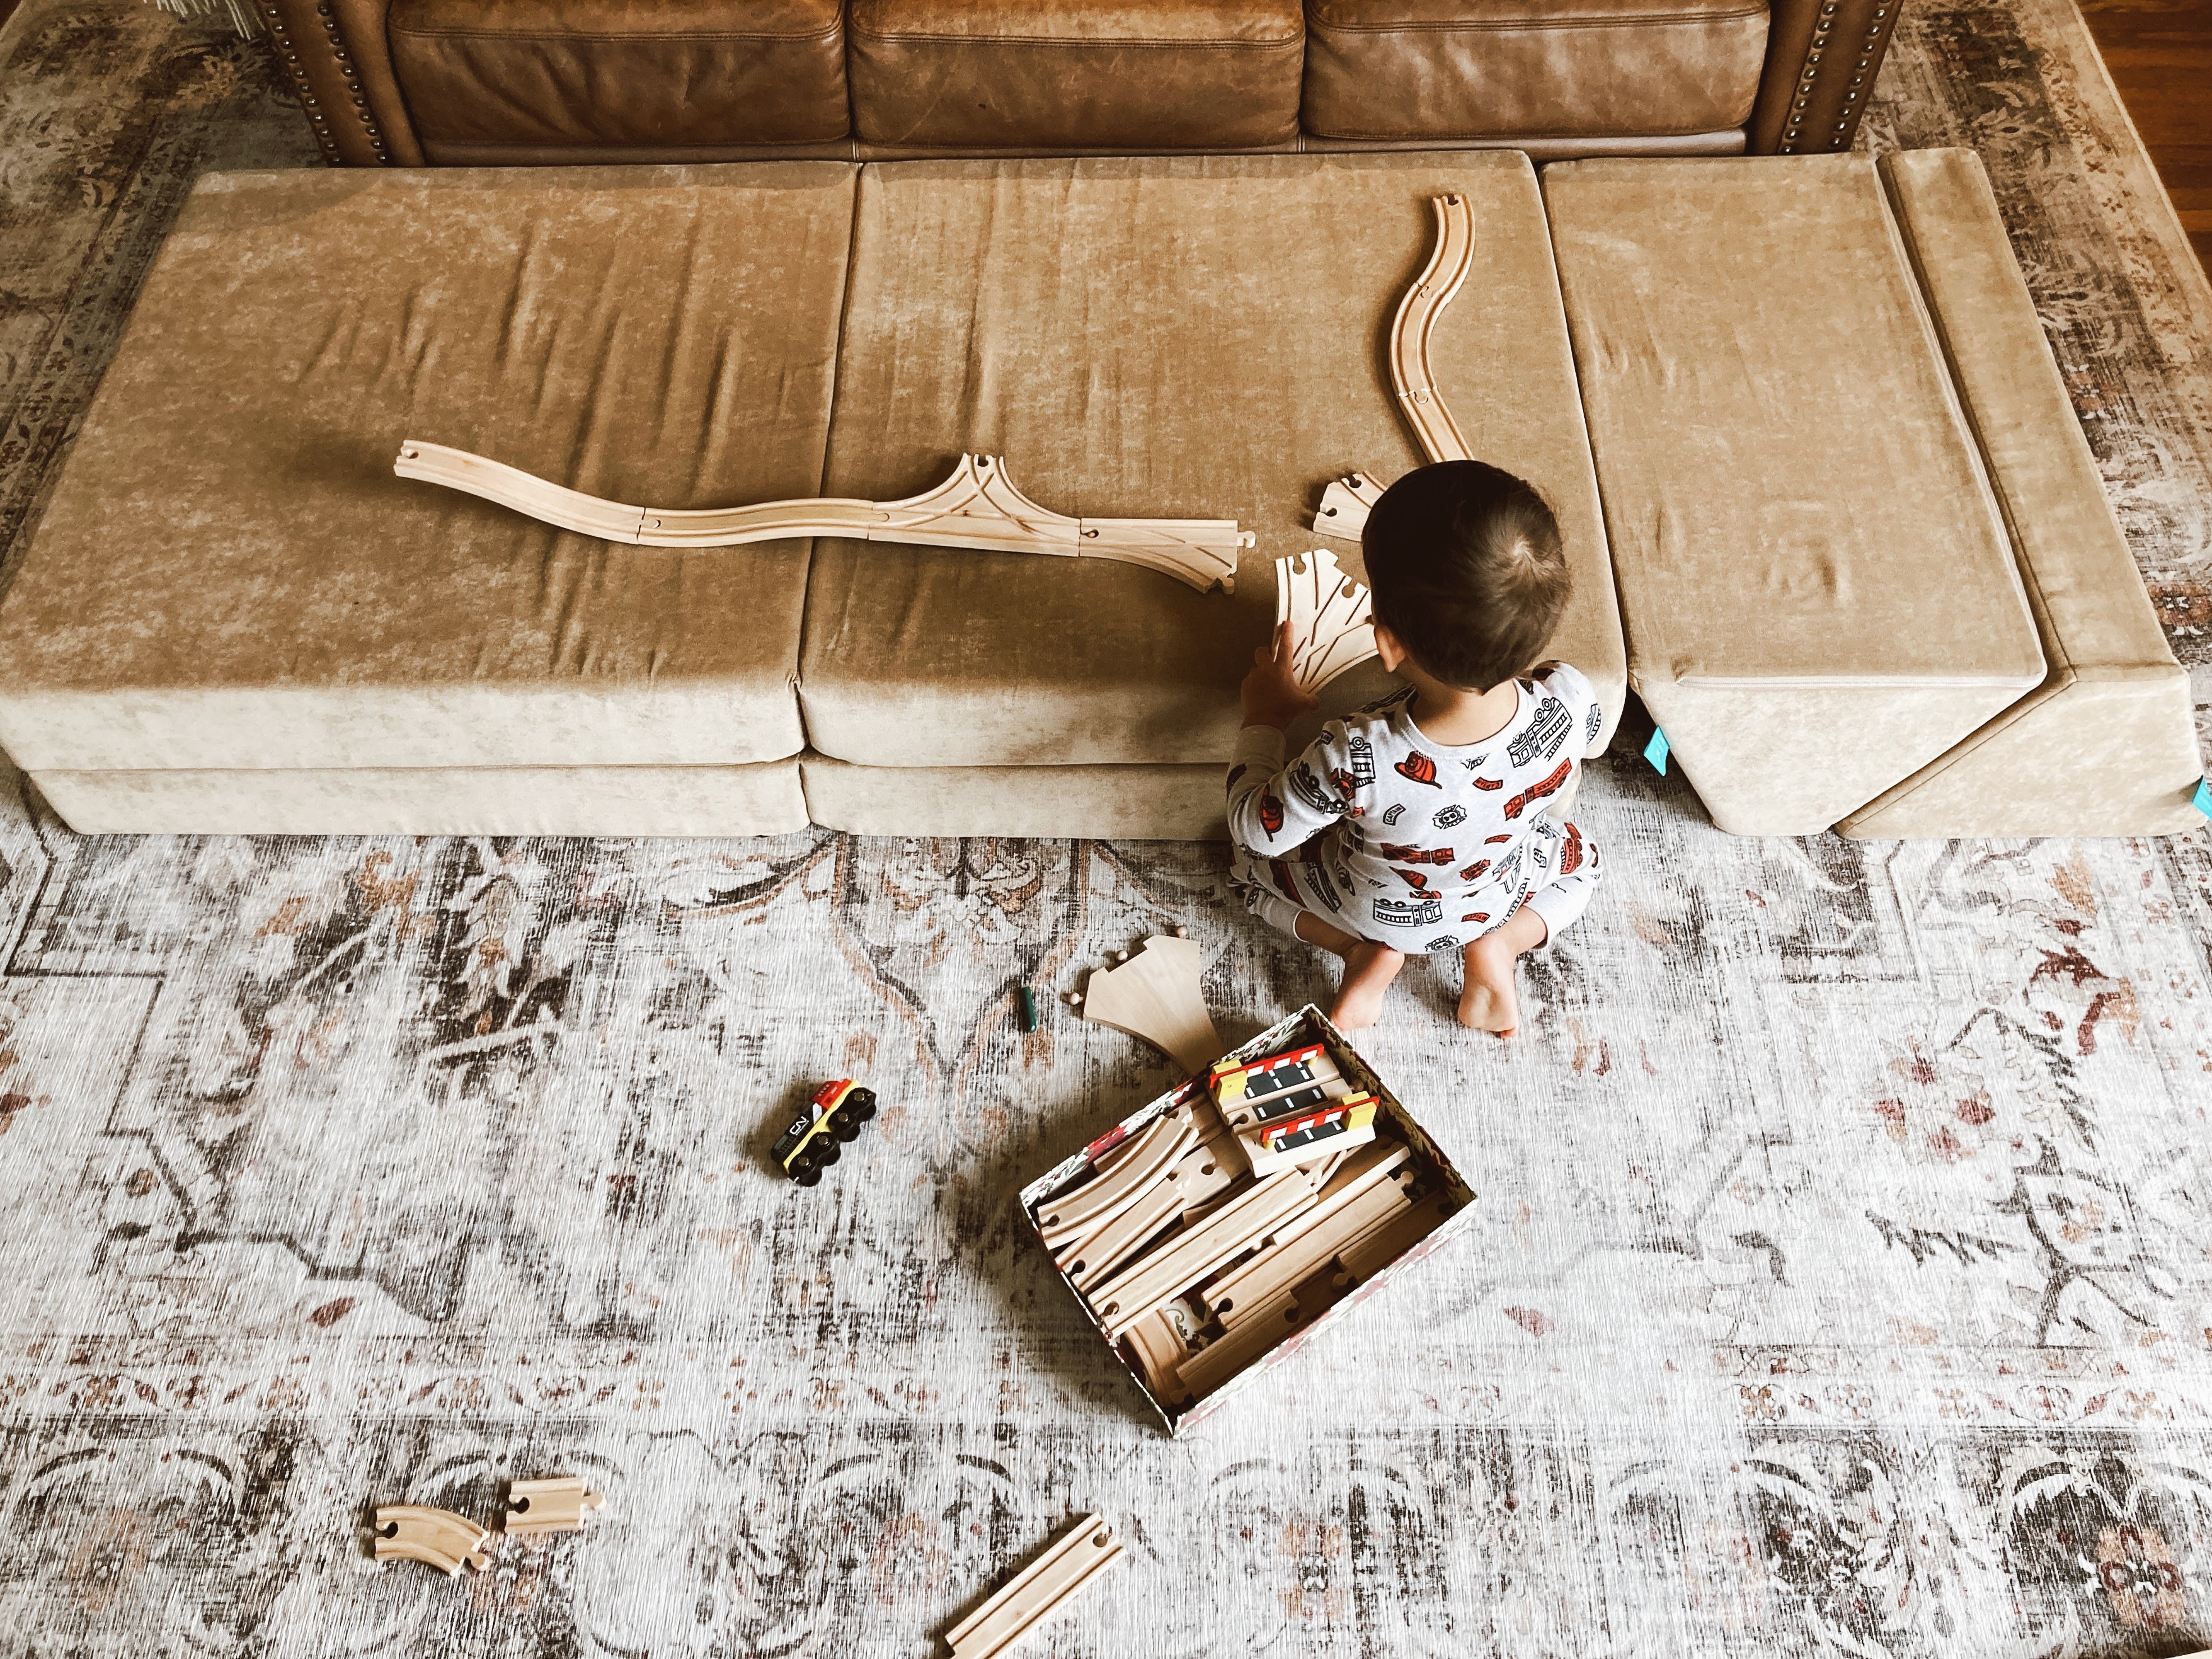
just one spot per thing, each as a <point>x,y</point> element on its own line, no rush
<point>811,1144</point>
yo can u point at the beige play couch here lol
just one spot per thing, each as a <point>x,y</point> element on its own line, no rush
<point>234,619</point>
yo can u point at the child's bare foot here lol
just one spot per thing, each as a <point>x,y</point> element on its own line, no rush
<point>1369,968</point>
<point>1490,1001</point>
<point>1368,971</point>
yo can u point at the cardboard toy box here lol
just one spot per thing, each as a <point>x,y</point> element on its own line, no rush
<point>1435,1188</point>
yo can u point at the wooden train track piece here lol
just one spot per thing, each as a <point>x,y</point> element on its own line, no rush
<point>977,506</point>
<point>1159,1348</point>
<point>1135,1165</point>
<point>1040,1590</point>
<point>437,1538</point>
<point>1449,261</point>
<point>1332,617</point>
<point>1087,1261</point>
<point>1231,1353</point>
<point>557,1504</point>
<point>1378,1247</point>
<point>1237,1227</point>
<point>1349,1210</point>
<point>1345,505</point>
<point>1325,1171</point>
<point>1155,995</point>
<point>1199,1178</point>
<point>1247,1116</point>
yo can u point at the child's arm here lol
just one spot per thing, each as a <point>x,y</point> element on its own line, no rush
<point>1572,687</point>
<point>1274,807</point>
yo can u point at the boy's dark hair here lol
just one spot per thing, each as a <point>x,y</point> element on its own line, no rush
<point>1467,570</point>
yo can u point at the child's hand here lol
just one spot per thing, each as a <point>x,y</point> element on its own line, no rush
<point>1270,693</point>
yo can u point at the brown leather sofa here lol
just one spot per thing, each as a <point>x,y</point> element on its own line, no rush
<point>502,83</point>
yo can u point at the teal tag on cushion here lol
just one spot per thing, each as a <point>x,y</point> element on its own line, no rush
<point>1657,751</point>
<point>2203,799</point>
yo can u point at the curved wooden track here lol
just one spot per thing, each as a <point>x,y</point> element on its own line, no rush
<point>1450,260</point>
<point>437,1538</point>
<point>977,506</point>
<point>1084,1211</point>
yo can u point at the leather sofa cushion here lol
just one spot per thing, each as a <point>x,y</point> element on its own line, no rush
<point>229,576</point>
<point>1426,70</point>
<point>653,73</point>
<point>1170,337</point>
<point>1818,588</point>
<point>1126,74</point>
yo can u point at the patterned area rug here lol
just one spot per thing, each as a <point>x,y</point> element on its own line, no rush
<point>1840,1282</point>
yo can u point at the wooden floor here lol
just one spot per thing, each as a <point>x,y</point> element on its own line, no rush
<point>2159,52</point>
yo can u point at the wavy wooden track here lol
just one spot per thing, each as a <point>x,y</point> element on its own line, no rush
<point>1449,261</point>
<point>977,506</point>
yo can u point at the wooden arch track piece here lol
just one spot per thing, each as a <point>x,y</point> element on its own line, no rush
<point>1155,995</point>
<point>1331,616</point>
<point>1040,1590</point>
<point>1448,263</point>
<point>437,1538</point>
<point>557,1504</point>
<point>977,506</point>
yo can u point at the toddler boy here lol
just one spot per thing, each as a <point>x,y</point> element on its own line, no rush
<point>1417,823</point>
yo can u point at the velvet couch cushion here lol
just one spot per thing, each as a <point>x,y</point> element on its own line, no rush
<point>1171,337</point>
<point>229,576</point>
<point>656,73</point>
<point>764,799</point>
<point>1126,74</point>
<point>1108,803</point>
<point>1425,70</point>
<point>2106,745</point>
<point>1818,590</point>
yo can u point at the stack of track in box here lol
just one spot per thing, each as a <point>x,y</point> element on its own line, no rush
<point>1204,1238</point>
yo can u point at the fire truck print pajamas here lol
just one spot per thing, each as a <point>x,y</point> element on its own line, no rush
<point>1384,833</point>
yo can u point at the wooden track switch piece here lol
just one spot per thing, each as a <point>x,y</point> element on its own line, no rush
<point>1332,617</point>
<point>437,1538</point>
<point>977,506</point>
<point>1345,505</point>
<point>1198,1175</point>
<point>557,1503</point>
<point>1155,995</point>
<point>1040,1590</point>
<point>1129,1172</point>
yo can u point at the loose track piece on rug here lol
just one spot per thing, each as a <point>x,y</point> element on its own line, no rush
<point>1042,1589</point>
<point>557,1504</point>
<point>437,1538</point>
<point>977,506</point>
